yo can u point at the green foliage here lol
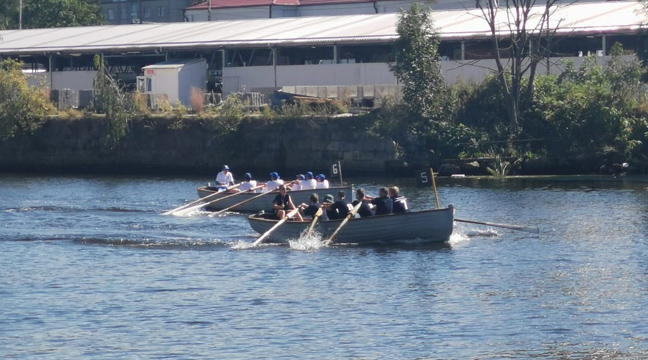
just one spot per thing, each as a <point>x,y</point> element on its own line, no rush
<point>9,14</point>
<point>61,13</point>
<point>425,94</point>
<point>22,108</point>
<point>589,107</point>
<point>111,99</point>
<point>234,107</point>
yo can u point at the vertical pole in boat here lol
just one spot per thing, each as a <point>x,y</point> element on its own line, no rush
<point>436,195</point>
<point>340,170</point>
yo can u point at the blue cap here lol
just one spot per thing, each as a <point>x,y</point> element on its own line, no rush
<point>309,175</point>
<point>248,176</point>
<point>300,177</point>
<point>321,176</point>
<point>225,167</point>
<point>274,175</point>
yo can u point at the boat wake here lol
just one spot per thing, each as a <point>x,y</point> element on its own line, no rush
<point>482,233</point>
<point>187,243</point>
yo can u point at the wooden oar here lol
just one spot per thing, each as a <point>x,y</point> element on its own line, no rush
<point>279,223</point>
<point>531,229</point>
<point>202,204</point>
<point>191,203</point>
<point>240,203</point>
<point>316,217</point>
<point>351,214</point>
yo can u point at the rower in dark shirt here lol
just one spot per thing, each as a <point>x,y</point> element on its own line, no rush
<point>364,210</point>
<point>310,209</point>
<point>400,203</point>
<point>384,204</point>
<point>341,206</point>
<point>327,205</point>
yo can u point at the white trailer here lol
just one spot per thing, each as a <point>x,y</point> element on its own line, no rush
<point>173,80</point>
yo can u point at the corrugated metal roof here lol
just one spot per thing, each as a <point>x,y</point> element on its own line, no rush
<point>588,18</point>
<point>216,4</point>
<point>172,64</point>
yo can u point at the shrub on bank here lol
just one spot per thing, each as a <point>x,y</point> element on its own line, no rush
<point>22,108</point>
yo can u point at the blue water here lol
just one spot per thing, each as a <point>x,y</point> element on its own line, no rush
<point>91,270</point>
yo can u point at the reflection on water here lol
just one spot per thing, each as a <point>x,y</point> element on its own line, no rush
<point>91,270</point>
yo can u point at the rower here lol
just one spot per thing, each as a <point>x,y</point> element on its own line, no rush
<point>364,210</point>
<point>283,202</point>
<point>310,183</point>
<point>225,177</point>
<point>384,204</point>
<point>249,183</point>
<point>322,183</point>
<point>297,183</point>
<point>340,206</point>
<point>400,202</point>
<point>275,181</point>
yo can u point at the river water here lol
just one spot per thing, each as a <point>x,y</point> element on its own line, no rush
<point>91,270</point>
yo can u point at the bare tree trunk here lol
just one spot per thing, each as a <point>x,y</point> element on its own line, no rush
<point>524,57</point>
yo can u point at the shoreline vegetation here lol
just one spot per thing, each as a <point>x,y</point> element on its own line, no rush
<point>591,119</point>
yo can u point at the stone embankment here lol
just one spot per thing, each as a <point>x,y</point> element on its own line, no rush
<point>199,146</point>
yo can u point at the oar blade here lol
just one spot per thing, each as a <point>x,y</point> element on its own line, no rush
<point>531,229</point>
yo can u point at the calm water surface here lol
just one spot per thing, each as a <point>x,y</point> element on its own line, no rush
<point>91,270</point>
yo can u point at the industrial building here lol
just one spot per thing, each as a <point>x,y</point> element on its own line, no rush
<point>323,55</point>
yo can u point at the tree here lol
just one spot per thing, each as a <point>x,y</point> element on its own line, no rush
<point>9,14</point>
<point>521,31</point>
<point>22,108</point>
<point>418,69</point>
<point>50,13</point>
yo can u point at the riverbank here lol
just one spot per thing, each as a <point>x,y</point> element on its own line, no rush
<point>195,145</point>
<point>201,145</point>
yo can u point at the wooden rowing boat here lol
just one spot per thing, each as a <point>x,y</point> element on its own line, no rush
<point>265,202</point>
<point>420,226</point>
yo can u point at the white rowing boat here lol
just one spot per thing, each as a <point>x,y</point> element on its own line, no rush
<point>265,202</point>
<point>420,226</point>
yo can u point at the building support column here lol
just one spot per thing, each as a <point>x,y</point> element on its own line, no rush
<point>274,64</point>
<point>463,50</point>
<point>51,70</point>
<point>335,55</point>
<point>604,44</point>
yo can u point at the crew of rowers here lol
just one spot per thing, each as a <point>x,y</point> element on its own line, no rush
<point>388,201</point>
<point>309,181</point>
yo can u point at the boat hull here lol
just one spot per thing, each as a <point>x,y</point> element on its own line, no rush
<point>265,202</point>
<point>419,226</point>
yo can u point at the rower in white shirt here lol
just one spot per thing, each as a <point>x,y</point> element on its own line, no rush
<point>225,177</point>
<point>322,183</point>
<point>274,182</point>
<point>248,183</point>
<point>310,183</point>
<point>298,181</point>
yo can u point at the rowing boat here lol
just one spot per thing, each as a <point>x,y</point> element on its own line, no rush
<point>420,226</point>
<point>265,202</point>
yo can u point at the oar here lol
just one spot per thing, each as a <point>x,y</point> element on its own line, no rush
<point>191,203</point>
<point>267,233</point>
<point>316,217</point>
<point>531,229</point>
<point>240,203</point>
<point>198,206</point>
<point>351,214</point>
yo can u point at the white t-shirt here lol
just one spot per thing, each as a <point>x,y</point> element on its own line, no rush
<point>248,185</point>
<point>272,185</point>
<point>309,184</point>
<point>296,187</point>
<point>323,184</point>
<point>225,178</point>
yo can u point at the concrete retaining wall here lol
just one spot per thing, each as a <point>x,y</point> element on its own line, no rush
<point>194,145</point>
